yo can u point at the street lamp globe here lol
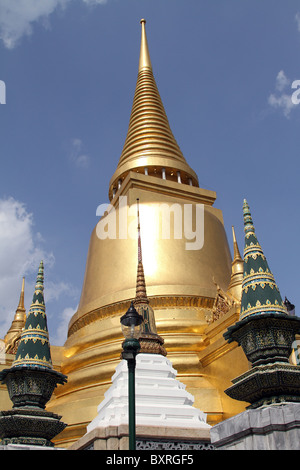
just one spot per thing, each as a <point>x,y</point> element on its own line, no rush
<point>131,323</point>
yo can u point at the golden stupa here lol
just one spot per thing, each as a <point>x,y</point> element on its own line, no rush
<point>193,285</point>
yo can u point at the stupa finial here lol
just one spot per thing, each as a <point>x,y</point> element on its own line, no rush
<point>141,292</point>
<point>13,334</point>
<point>150,341</point>
<point>237,268</point>
<point>248,222</point>
<point>144,61</point>
<point>21,301</point>
<point>236,251</point>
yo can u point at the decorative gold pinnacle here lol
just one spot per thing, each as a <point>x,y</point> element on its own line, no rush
<point>17,325</point>
<point>21,301</point>
<point>150,341</point>
<point>150,142</point>
<point>236,251</point>
<point>145,61</point>
<point>141,293</point>
<point>237,269</point>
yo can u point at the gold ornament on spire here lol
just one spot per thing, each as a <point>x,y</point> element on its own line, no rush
<point>145,61</point>
<point>237,270</point>
<point>12,337</point>
<point>236,251</point>
<point>150,341</point>
<point>141,293</point>
<point>150,146</point>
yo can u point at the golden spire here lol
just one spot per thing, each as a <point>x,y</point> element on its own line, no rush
<point>141,293</point>
<point>145,61</point>
<point>237,270</point>
<point>21,301</point>
<point>236,252</point>
<point>150,146</point>
<point>18,322</point>
<point>150,341</point>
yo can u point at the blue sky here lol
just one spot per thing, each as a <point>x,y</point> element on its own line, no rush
<point>224,69</point>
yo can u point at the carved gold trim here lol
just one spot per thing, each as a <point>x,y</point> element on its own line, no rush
<point>156,302</point>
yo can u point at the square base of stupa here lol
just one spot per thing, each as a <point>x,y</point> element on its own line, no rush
<point>165,415</point>
<point>147,438</point>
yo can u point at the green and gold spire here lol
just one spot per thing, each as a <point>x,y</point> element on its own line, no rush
<point>34,346</point>
<point>260,293</point>
<point>265,332</point>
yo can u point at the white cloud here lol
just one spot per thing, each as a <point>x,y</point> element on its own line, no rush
<point>82,161</point>
<point>54,290</point>
<point>62,326</point>
<point>282,98</point>
<point>21,250</point>
<point>17,17</point>
<point>95,2</point>
<point>58,320</point>
<point>77,156</point>
<point>282,81</point>
<point>20,254</point>
<point>283,102</point>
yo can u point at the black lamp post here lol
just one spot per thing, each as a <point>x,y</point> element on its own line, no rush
<point>131,326</point>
